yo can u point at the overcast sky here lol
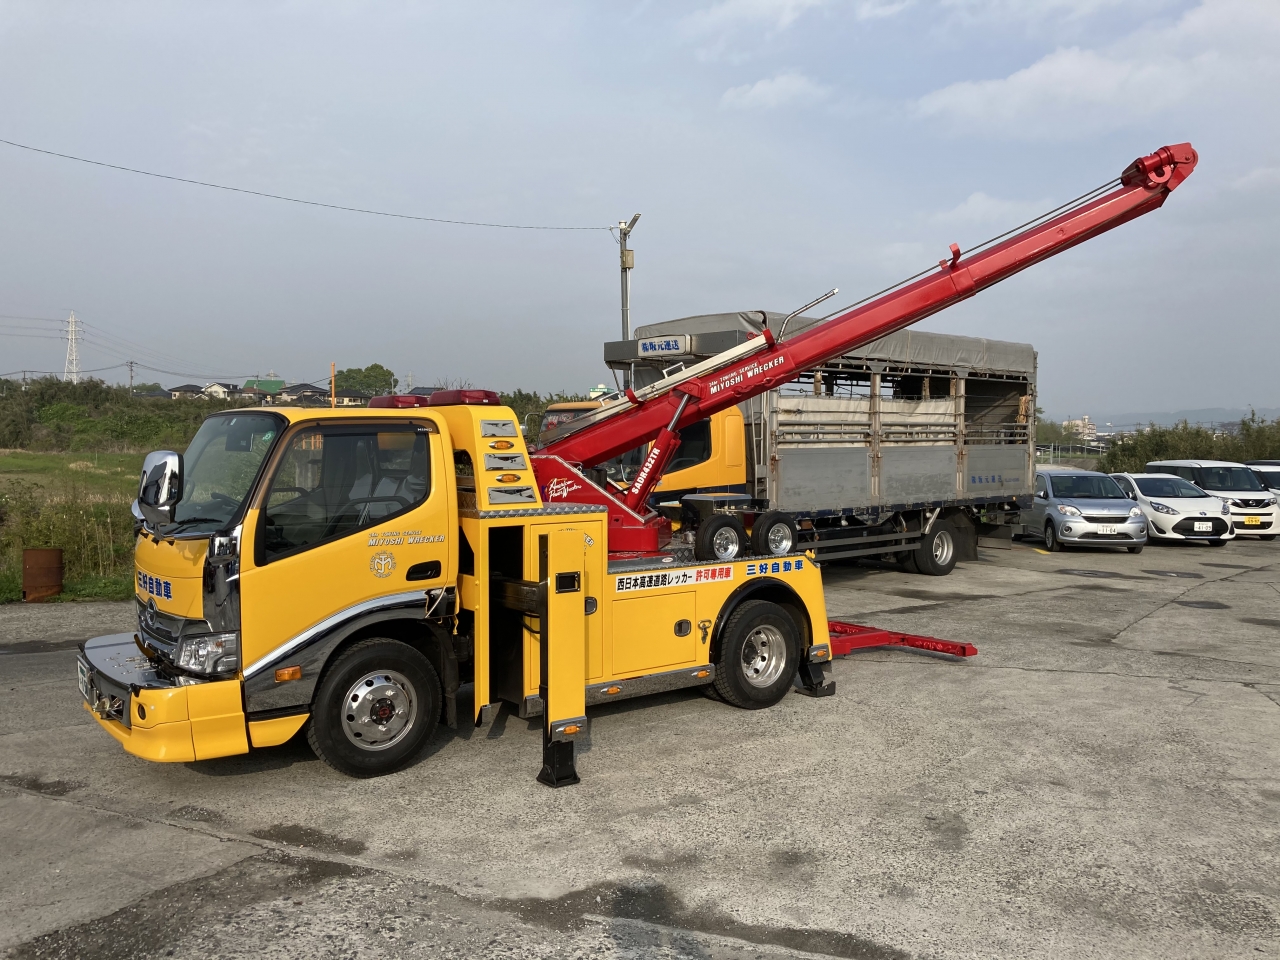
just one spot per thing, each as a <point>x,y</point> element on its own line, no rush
<point>776,148</point>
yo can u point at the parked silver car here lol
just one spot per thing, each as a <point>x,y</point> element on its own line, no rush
<point>1086,508</point>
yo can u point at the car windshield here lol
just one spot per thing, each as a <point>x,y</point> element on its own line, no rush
<point>219,467</point>
<point>1087,488</point>
<point>1174,487</point>
<point>1230,478</point>
<point>1269,476</point>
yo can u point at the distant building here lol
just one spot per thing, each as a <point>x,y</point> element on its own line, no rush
<point>302,393</point>
<point>188,391</point>
<point>270,384</point>
<point>1084,428</point>
<point>222,391</point>
<point>352,398</point>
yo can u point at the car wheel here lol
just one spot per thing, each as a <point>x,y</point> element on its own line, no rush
<point>774,534</point>
<point>722,537</point>
<point>1137,549</point>
<point>759,656</point>
<point>1051,542</point>
<point>376,707</point>
<point>937,554</point>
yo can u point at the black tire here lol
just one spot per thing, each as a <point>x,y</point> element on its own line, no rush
<point>774,534</point>
<point>1267,536</point>
<point>1051,542</point>
<point>937,554</point>
<point>384,670</point>
<point>722,537</point>
<point>1137,549</point>
<point>907,561</point>
<point>1217,543</point>
<point>759,656</point>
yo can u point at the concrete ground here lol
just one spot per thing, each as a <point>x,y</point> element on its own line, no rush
<point>1101,781</point>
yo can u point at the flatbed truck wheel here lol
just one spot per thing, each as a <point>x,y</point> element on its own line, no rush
<point>377,705</point>
<point>937,554</point>
<point>907,561</point>
<point>759,656</point>
<point>721,537</point>
<point>774,534</point>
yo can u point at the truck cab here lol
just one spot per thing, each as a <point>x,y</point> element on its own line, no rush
<point>354,573</point>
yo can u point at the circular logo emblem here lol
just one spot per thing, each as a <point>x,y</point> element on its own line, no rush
<point>382,563</point>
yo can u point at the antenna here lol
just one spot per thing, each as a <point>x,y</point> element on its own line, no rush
<point>72,369</point>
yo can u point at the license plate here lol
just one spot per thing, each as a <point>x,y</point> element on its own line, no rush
<point>1106,528</point>
<point>1253,521</point>
<point>1204,526</point>
<point>82,677</point>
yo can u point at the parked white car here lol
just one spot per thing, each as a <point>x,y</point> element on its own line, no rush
<point>1254,512</point>
<point>1267,472</point>
<point>1177,509</point>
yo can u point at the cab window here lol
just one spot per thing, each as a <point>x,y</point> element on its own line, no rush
<point>695,447</point>
<point>335,480</point>
<point>1041,489</point>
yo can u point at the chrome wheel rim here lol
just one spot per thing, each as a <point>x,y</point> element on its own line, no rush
<point>779,539</point>
<point>725,543</point>
<point>379,710</point>
<point>943,548</point>
<point>1048,535</point>
<point>764,656</point>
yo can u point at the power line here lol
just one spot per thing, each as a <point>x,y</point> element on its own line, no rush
<point>276,196</point>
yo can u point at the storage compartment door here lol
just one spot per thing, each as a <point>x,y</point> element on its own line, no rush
<point>647,634</point>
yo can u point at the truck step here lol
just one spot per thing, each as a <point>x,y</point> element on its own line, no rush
<point>848,637</point>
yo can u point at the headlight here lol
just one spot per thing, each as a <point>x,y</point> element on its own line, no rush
<point>1137,511</point>
<point>1158,508</point>
<point>1068,511</point>
<point>1237,504</point>
<point>211,653</point>
<point>1226,508</point>
<point>1271,502</point>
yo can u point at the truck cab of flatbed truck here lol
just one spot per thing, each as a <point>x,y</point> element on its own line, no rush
<point>353,572</point>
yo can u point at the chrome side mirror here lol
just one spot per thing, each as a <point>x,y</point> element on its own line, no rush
<point>160,486</point>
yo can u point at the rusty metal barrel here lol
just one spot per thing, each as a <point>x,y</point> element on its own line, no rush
<point>41,574</point>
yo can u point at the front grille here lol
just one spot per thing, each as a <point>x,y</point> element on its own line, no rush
<point>1252,504</point>
<point>1187,527</point>
<point>1122,519</point>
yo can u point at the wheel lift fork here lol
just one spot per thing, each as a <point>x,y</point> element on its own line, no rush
<point>848,637</point>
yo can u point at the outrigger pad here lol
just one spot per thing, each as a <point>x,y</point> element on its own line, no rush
<point>557,764</point>
<point>816,680</point>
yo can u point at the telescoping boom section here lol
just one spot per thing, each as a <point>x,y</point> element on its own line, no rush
<point>655,414</point>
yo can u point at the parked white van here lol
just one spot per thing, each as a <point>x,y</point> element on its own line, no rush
<point>1254,512</point>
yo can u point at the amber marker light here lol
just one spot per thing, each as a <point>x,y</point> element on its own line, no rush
<point>509,478</point>
<point>570,730</point>
<point>501,445</point>
<point>612,690</point>
<point>702,674</point>
<point>288,673</point>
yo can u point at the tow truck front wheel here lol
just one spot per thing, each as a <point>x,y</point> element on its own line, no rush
<point>377,705</point>
<point>759,656</point>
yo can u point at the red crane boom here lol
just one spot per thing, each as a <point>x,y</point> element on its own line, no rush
<point>656,413</point>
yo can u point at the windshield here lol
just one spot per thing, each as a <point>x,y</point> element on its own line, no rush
<point>1230,478</point>
<point>1087,488</point>
<point>553,418</point>
<point>219,467</point>
<point>1174,487</point>
<point>1269,476</point>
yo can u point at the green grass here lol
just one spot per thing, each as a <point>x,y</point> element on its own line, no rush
<point>76,501</point>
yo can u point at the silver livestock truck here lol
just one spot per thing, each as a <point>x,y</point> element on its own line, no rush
<point>918,445</point>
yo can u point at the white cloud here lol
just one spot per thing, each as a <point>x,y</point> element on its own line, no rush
<point>779,14</point>
<point>774,92</point>
<point>981,208</point>
<point>1220,48</point>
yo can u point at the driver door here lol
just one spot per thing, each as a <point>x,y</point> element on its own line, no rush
<point>350,514</point>
<point>1038,503</point>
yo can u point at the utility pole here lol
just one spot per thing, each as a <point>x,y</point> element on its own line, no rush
<point>627,258</point>
<point>129,364</point>
<point>333,386</point>
<point>72,369</point>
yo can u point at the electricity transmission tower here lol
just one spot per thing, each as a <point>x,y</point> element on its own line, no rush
<point>72,370</point>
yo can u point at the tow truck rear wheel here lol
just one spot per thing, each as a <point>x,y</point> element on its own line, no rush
<point>721,537</point>
<point>937,554</point>
<point>378,703</point>
<point>759,656</point>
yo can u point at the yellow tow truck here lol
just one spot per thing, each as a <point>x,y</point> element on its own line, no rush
<point>348,571</point>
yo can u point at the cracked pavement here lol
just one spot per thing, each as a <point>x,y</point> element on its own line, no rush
<point>1100,781</point>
